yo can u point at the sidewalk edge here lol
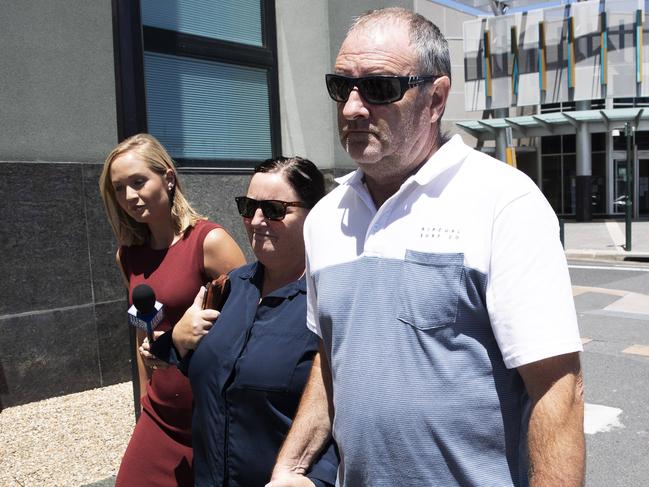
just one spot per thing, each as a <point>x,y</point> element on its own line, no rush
<point>606,255</point>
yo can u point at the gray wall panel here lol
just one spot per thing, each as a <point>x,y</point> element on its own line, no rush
<point>304,58</point>
<point>58,264</point>
<point>45,247</point>
<point>57,78</point>
<point>113,341</point>
<point>213,196</point>
<point>47,354</point>
<point>106,277</point>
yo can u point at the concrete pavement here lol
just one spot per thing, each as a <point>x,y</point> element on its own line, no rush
<point>612,304</point>
<point>605,240</point>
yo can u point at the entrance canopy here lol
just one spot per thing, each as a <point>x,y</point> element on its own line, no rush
<point>489,7</point>
<point>558,123</point>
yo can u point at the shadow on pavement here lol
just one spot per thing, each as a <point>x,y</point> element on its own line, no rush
<point>108,482</point>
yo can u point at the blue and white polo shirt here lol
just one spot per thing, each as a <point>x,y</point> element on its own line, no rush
<point>426,306</point>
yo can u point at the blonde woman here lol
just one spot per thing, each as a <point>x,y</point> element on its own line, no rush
<point>167,245</point>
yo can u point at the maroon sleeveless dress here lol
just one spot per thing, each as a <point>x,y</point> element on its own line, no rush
<point>160,451</point>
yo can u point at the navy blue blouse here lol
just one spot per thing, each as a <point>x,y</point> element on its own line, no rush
<point>247,376</point>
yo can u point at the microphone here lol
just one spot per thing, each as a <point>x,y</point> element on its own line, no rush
<point>146,313</point>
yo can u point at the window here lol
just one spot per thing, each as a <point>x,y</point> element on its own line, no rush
<point>598,142</point>
<point>598,182</point>
<point>210,71</point>
<point>558,167</point>
<point>551,144</point>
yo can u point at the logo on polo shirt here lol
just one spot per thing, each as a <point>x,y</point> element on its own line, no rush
<point>440,232</point>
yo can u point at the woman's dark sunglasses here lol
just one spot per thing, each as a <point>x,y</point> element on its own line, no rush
<point>272,209</point>
<point>378,90</point>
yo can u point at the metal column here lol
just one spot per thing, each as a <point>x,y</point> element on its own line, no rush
<point>503,135</point>
<point>629,132</point>
<point>503,141</point>
<point>584,211</point>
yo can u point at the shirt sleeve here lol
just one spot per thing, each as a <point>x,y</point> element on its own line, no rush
<point>529,295</point>
<point>311,302</point>
<point>163,348</point>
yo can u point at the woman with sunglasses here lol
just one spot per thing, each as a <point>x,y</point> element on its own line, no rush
<point>165,244</point>
<point>251,365</point>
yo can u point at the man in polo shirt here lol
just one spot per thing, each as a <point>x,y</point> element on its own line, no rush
<point>440,290</point>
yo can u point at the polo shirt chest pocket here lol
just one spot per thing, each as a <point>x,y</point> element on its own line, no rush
<point>430,288</point>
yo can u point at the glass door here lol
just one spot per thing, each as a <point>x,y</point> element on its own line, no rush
<point>619,185</point>
<point>643,187</point>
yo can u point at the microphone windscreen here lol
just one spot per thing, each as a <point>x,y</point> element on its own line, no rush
<point>144,299</point>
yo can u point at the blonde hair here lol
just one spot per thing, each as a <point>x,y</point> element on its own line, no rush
<point>126,229</point>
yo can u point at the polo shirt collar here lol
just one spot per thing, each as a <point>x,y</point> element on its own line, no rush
<point>354,178</point>
<point>451,153</point>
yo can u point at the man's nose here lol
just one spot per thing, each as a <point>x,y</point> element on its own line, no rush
<point>355,107</point>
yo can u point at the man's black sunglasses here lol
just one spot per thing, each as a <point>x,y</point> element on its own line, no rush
<point>272,209</point>
<point>378,90</point>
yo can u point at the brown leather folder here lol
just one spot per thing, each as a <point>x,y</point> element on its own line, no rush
<point>217,292</point>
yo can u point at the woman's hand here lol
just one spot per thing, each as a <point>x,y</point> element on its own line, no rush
<point>149,359</point>
<point>194,325</point>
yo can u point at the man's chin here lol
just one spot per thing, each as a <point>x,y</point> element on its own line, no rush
<point>363,153</point>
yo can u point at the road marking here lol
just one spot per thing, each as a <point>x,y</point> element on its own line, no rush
<point>609,268</point>
<point>585,340</point>
<point>637,350</point>
<point>577,290</point>
<point>615,233</point>
<point>631,303</point>
<point>600,419</point>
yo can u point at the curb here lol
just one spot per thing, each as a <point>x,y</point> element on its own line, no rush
<point>606,255</point>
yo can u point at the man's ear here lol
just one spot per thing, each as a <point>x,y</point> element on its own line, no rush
<point>441,87</point>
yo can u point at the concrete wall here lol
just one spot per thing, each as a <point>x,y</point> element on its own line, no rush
<point>212,195</point>
<point>303,58</point>
<point>57,332</point>
<point>58,82</point>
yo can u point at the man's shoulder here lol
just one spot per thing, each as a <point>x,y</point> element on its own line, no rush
<point>496,174</point>
<point>329,212</point>
<point>480,178</point>
<point>332,198</point>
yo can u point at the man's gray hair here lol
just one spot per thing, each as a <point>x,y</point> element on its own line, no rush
<point>427,41</point>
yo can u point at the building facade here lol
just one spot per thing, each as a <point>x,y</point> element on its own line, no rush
<point>222,84</point>
<point>567,86</point>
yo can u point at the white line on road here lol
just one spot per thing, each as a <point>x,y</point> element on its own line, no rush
<point>600,419</point>
<point>615,233</point>
<point>609,268</point>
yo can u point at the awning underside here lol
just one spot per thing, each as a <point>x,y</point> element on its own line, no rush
<point>558,123</point>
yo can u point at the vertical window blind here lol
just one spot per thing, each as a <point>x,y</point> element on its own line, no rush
<point>208,99</point>
<point>228,20</point>
<point>203,109</point>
